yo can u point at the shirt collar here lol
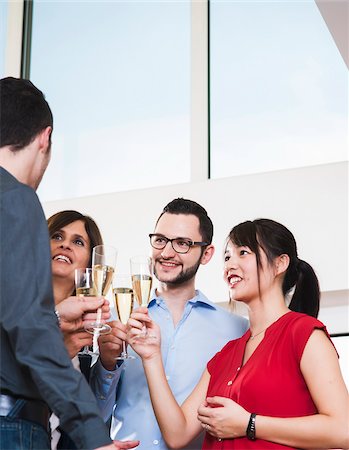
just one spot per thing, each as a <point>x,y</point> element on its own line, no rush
<point>200,299</point>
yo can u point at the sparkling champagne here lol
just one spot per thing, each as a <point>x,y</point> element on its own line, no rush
<point>102,278</point>
<point>141,287</point>
<point>86,292</point>
<point>124,303</point>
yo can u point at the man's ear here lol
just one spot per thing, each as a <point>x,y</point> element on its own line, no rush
<point>207,255</point>
<point>45,139</point>
<point>281,264</point>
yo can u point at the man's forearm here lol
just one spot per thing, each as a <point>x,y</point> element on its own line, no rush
<point>104,384</point>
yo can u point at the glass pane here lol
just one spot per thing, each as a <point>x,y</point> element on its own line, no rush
<point>3,35</point>
<point>117,76</point>
<point>279,88</point>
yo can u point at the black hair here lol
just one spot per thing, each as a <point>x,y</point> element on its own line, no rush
<point>275,240</point>
<point>24,113</point>
<point>187,207</point>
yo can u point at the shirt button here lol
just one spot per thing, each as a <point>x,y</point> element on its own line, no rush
<point>167,317</point>
<point>155,442</point>
<point>238,369</point>
<point>168,377</point>
<point>109,376</point>
<point>102,397</point>
<point>172,347</point>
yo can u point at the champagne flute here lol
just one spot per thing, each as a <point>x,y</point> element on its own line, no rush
<point>123,296</point>
<point>142,278</point>
<point>103,265</point>
<point>84,287</point>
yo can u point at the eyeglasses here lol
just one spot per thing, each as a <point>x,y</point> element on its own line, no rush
<point>179,245</point>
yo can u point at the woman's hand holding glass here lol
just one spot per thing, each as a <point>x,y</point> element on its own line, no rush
<point>87,293</point>
<point>111,344</point>
<point>145,348</point>
<point>142,279</point>
<point>75,341</point>
<point>103,266</point>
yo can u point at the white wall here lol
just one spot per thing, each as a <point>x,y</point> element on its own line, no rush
<point>336,319</point>
<point>311,201</point>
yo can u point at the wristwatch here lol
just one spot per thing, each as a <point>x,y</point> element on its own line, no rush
<point>251,428</point>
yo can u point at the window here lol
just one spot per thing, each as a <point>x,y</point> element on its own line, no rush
<point>3,36</point>
<point>279,88</point>
<point>117,77</point>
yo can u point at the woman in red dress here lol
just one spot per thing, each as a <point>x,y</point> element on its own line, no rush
<point>279,385</point>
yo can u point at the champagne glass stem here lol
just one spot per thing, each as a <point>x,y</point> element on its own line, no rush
<point>99,316</point>
<point>124,353</point>
<point>144,328</point>
<point>95,340</point>
<point>85,350</point>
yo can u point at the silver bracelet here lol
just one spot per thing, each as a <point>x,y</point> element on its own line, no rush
<point>58,317</point>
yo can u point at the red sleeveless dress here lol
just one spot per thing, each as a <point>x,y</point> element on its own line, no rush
<point>270,383</point>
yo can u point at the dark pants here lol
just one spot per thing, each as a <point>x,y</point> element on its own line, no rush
<point>19,434</point>
<point>23,424</point>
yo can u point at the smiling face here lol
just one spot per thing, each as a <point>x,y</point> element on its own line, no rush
<point>241,273</point>
<point>174,268</point>
<point>70,249</point>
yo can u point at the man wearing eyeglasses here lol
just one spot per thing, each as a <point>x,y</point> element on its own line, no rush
<point>193,328</point>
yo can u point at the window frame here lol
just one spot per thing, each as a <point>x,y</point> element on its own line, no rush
<point>17,64</point>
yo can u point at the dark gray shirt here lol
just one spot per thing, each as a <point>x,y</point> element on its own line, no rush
<point>34,362</point>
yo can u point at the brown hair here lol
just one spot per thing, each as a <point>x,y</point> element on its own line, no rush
<point>64,218</point>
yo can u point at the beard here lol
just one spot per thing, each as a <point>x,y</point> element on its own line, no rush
<point>183,276</point>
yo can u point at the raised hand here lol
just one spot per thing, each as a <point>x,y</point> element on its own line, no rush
<point>146,348</point>
<point>223,418</point>
<point>125,445</point>
<point>110,345</point>
<point>75,340</point>
<point>75,311</point>
<point>91,314</point>
<point>119,445</point>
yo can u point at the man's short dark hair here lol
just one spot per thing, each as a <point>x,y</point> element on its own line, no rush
<point>24,113</point>
<point>185,206</point>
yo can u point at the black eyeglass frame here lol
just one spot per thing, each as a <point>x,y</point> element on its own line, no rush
<point>189,241</point>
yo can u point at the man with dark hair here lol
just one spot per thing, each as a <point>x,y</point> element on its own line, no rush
<point>187,207</point>
<point>24,113</point>
<point>193,329</point>
<point>35,369</point>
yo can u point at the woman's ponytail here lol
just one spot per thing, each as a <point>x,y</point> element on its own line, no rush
<point>306,297</point>
<point>275,240</point>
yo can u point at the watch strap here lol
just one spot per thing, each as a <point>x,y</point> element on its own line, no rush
<point>251,428</point>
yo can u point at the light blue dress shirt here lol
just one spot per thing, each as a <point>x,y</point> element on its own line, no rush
<point>186,349</point>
